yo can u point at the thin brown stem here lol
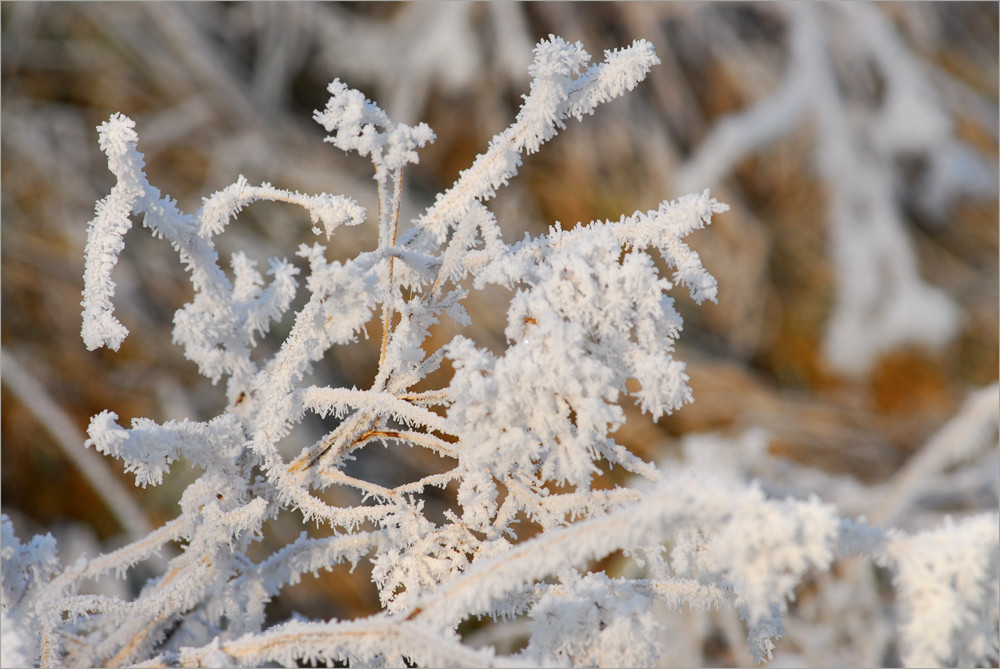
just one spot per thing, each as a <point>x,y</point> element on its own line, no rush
<point>428,441</point>
<point>124,654</point>
<point>311,457</point>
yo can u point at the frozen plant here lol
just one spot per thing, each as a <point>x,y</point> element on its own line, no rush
<point>520,435</point>
<point>882,302</point>
<point>842,620</point>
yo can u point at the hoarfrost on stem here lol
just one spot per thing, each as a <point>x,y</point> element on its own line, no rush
<point>882,302</point>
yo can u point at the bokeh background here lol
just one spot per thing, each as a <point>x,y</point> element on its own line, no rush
<point>222,89</point>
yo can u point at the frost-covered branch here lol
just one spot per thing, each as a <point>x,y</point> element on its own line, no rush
<point>881,300</point>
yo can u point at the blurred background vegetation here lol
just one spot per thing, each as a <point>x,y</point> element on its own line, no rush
<point>221,89</point>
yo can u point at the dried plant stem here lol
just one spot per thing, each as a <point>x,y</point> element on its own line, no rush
<point>387,307</point>
<point>57,422</point>
<point>339,435</point>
